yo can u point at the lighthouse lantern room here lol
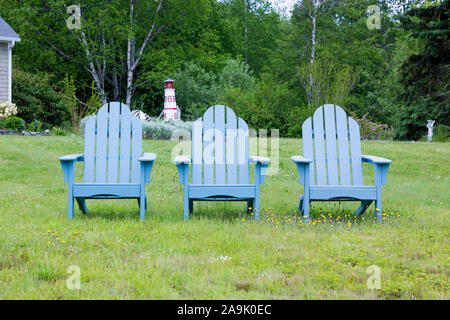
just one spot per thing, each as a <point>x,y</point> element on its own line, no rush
<point>171,111</point>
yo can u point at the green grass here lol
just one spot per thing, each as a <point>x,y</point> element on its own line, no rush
<point>121,257</point>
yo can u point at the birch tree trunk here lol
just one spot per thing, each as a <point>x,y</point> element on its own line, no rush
<point>133,57</point>
<point>313,37</point>
<point>245,32</point>
<point>96,74</point>
<point>313,10</point>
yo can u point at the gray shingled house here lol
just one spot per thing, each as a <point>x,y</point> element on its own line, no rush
<point>8,38</point>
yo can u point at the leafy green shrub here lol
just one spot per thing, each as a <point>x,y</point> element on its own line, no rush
<point>373,131</point>
<point>269,105</point>
<point>34,126</point>
<point>58,132</point>
<point>441,133</point>
<point>156,129</point>
<point>236,74</point>
<point>163,130</point>
<point>37,98</point>
<point>13,123</point>
<point>197,89</point>
<point>410,120</point>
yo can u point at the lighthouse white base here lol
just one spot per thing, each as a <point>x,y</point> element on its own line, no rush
<point>171,115</point>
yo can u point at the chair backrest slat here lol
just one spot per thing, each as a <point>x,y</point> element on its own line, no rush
<point>220,144</point>
<point>319,147</point>
<point>136,149</point>
<point>208,146</point>
<point>244,175</point>
<point>330,139</point>
<point>89,149</point>
<point>308,151</point>
<point>125,149</point>
<point>113,141</point>
<point>219,141</point>
<point>232,154</point>
<point>343,148</point>
<point>197,151</point>
<point>334,146</point>
<point>355,150</point>
<point>101,145</point>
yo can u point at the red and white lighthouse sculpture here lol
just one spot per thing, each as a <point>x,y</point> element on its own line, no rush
<point>171,111</point>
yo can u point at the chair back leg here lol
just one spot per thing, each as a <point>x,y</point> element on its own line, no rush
<point>82,205</point>
<point>363,207</point>
<point>191,205</point>
<point>250,204</point>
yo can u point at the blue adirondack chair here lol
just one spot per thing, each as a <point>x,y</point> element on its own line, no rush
<point>331,166</point>
<point>114,166</point>
<point>220,162</point>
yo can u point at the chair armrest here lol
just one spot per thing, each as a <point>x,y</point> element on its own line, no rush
<point>300,160</point>
<point>147,157</point>
<point>68,166</point>
<point>259,160</point>
<point>375,160</point>
<point>182,163</point>
<point>72,157</point>
<point>381,168</point>
<point>261,164</point>
<point>179,160</point>
<point>147,160</point>
<point>303,167</point>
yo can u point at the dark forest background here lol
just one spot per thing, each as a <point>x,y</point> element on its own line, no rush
<point>273,69</point>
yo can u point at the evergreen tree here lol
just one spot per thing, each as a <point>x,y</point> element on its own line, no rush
<point>425,76</point>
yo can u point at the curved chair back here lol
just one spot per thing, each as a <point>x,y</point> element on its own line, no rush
<point>332,140</point>
<point>220,148</point>
<point>113,144</point>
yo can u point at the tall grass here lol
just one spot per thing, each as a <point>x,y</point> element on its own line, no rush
<point>221,252</point>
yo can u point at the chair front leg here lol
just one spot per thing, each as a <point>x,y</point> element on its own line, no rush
<point>303,170</point>
<point>183,172</point>
<point>381,171</point>
<point>70,206</point>
<point>259,179</point>
<point>144,178</point>
<point>68,167</point>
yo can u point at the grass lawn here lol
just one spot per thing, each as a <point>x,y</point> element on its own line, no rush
<point>221,253</point>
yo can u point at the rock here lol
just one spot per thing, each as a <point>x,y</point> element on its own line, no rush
<point>25,133</point>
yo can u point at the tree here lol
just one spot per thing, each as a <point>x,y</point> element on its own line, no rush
<point>326,81</point>
<point>113,41</point>
<point>425,76</point>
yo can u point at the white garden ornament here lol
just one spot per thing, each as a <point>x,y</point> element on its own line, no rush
<point>430,125</point>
